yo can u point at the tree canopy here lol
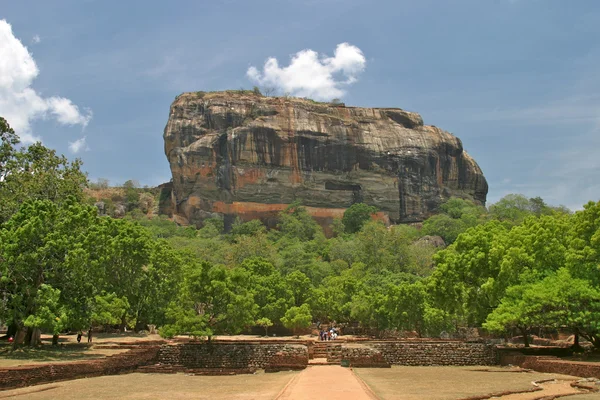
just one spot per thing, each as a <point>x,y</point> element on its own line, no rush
<point>518,265</point>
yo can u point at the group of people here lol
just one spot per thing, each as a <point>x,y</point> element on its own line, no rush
<point>328,334</point>
<point>89,335</point>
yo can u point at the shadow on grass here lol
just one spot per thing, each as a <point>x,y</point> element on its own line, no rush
<point>67,350</point>
<point>47,353</point>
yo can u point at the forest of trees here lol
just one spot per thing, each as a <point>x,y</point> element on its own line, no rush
<point>517,265</point>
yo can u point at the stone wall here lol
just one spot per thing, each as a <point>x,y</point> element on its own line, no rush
<point>363,356</point>
<point>551,364</point>
<point>27,375</point>
<point>236,356</point>
<point>436,353</point>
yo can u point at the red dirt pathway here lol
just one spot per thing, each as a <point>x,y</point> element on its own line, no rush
<point>330,382</point>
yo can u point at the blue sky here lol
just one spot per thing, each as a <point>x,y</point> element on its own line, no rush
<point>517,80</point>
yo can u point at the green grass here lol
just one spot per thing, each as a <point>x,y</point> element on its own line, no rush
<point>51,354</point>
<point>445,383</point>
<point>160,386</point>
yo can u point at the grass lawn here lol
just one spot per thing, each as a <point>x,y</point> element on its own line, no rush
<point>51,354</point>
<point>68,349</point>
<point>159,386</point>
<point>441,383</point>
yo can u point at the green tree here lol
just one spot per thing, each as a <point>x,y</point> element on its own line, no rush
<point>583,256</point>
<point>512,208</point>
<point>34,173</point>
<point>445,226</point>
<point>124,256</point>
<point>557,301</point>
<point>47,244</point>
<point>356,216</point>
<point>297,318</point>
<point>249,228</point>
<point>405,304</point>
<point>517,310</point>
<point>271,293</point>
<point>264,323</point>
<point>48,312</point>
<point>8,141</point>
<point>383,249</point>
<point>300,286</point>
<point>213,300</point>
<point>247,246</point>
<point>108,309</point>
<point>296,222</point>
<point>457,215</point>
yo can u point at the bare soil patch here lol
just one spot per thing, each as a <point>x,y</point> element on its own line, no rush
<point>445,383</point>
<point>160,386</point>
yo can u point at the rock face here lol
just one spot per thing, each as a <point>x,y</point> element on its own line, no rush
<point>245,155</point>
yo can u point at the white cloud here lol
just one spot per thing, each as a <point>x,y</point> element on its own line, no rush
<point>78,145</point>
<point>36,39</point>
<point>20,104</point>
<point>311,75</point>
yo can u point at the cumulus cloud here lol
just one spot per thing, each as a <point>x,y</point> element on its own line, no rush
<point>20,104</point>
<point>312,75</point>
<point>78,145</point>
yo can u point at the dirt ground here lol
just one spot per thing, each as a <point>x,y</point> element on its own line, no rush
<point>445,383</point>
<point>330,382</point>
<point>159,386</point>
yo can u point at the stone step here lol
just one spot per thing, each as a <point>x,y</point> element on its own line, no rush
<point>311,363</point>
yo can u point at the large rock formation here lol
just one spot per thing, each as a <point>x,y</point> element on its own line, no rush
<point>240,154</point>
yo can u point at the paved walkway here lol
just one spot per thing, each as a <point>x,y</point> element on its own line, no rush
<point>330,382</point>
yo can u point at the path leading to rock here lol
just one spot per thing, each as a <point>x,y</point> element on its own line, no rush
<point>330,382</point>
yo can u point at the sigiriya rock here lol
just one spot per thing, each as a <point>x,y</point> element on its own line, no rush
<point>240,154</point>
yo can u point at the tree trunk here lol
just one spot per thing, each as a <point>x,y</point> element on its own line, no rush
<point>266,331</point>
<point>36,337</point>
<point>19,338</point>
<point>576,346</point>
<point>525,337</point>
<point>12,330</point>
<point>123,323</point>
<point>140,326</point>
<point>28,336</point>
<point>54,340</point>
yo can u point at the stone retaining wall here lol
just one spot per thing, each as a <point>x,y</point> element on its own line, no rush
<point>551,364</point>
<point>238,356</point>
<point>27,375</point>
<point>436,353</point>
<point>361,356</point>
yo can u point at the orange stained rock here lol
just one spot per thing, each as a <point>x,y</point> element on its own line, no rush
<point>244,208</point>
